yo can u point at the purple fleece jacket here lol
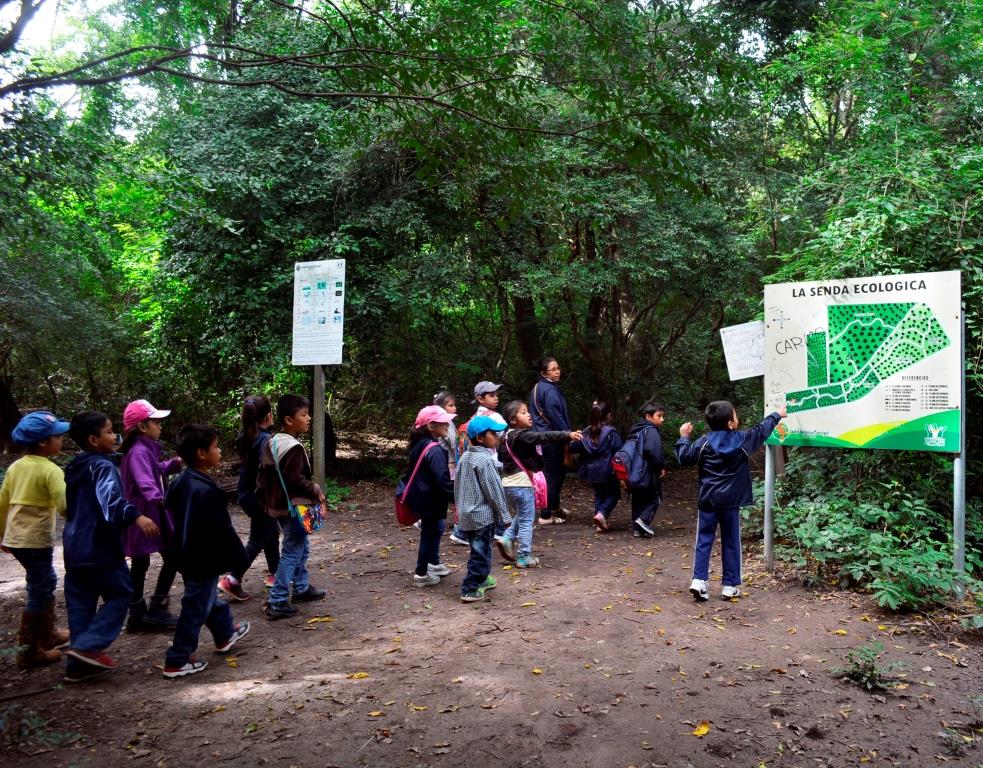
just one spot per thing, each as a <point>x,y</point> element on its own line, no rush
<point>144,478</point>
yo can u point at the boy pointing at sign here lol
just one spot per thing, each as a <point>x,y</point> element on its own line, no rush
<point>725,486</point>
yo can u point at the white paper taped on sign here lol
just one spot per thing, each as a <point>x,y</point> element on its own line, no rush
<point>744,349</point>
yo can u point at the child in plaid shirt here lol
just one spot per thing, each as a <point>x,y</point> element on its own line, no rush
<point>481,503</point>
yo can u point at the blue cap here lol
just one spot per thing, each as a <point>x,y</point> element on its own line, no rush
<point>36,427</point>
<point>480,424</point>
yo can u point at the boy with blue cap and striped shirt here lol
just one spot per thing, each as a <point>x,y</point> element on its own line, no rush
<point>33,494</point>
<point>481,503</point>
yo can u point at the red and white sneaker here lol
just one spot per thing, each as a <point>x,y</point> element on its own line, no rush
<point>191,667</point>
<point>240,631</point>
<point>232,589</point>
<point>92,658</point>
<point>602,521</point>
<point>269,581</point>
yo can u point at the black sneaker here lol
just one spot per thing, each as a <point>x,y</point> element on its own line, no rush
<point>644,527</point>
<point>82,672</point>
<point>640,535</point>
<point>309,595</point>
<point>280,610</point>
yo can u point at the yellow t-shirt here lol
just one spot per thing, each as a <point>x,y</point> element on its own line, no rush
<point>33,493</point>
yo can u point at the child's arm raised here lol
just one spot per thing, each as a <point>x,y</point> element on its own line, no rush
<point>755,437</point>
<point>686,451</point>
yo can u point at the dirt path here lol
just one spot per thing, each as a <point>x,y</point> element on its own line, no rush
<point>599,658</point>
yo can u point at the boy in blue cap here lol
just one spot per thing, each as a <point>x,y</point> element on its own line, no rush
<point>725,486</point>
<point>481,503</point>
<point>33,494</point>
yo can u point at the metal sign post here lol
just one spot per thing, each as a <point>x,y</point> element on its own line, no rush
<point>959,479</point>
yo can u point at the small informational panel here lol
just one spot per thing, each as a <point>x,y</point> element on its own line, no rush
<point>871,362</point>
<point>319,312</point>
<point>744,349</point>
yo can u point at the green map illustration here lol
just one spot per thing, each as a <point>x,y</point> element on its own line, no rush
<point>866,344</point>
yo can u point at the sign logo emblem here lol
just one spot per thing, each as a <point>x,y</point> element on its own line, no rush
<point>936,436</point>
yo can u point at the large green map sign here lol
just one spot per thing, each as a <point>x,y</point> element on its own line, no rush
<point>866,362</point>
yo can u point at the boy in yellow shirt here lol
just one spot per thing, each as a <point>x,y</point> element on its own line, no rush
<point>33,493</point>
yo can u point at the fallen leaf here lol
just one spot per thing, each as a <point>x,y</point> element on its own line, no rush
<point>458,680</point>
<point>529,604</point>
<point>232,661</point>
<point>702,729</point>
<point>537,671</point>
<point>376,713</point>
<point>840,632</point>
<point>357,675</point>
<point>418,707</point>
<point>320,619</point>
<point>252,728</point>
<point>608,607</point>
<point>506,567</point>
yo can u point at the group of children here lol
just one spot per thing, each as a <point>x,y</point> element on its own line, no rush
<point>117,504</point>
<point>494,482</point>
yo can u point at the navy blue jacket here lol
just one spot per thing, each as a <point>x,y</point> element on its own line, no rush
<point>97,513</point>
<point>722,457</point>
<point>548,407</point>
<point>595,467</point>
<point>655,459</point>
<point>205,543</point>
<point>248,472</point>
<point>432,488</point>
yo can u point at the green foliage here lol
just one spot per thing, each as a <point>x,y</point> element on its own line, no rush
<point>23,728</point>
<point>877,521</point>
<point>864,670</point>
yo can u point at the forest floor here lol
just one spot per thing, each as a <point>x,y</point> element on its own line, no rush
<point>598,658</point>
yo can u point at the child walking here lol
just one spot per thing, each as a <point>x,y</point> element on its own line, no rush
<point>520,455</point>
<point>33,494</point>
<point>725,487</point>
<point>481,504</point>
<point>285,474</point>
<point>205,545</point>
<point>646,497</point>
<point>144,478</point>
<point>264,535</point>
<point>430,491</point>
<point>597,446</point>
<point>96,518</point>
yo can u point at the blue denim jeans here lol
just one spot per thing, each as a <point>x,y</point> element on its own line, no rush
<point>294,552</point>
<point>606,496</point>
<point>431,529</point>
<point>479,562</point>
<point>40,574</point>
<point>200,606</point>
<point>522,501</point>
<point>729,521</point>
<point>94,627</point>
<point>264,536</point>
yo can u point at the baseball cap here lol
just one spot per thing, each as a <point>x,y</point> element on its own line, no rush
<point>36,427</point>
<point>480,424</point>
<point>138,411</point>
<point>486,388</point>
<point>432,414</point>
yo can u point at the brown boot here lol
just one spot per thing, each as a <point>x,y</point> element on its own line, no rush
<point>53,636</point>
<point>29,651</point>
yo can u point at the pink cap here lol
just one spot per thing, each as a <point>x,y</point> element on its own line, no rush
<point>432,414</point>
<point>138,411</point>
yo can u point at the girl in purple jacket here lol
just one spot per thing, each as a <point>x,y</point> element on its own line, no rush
<point>144,478</point>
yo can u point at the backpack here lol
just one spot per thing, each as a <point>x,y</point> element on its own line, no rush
<point>629,465</point>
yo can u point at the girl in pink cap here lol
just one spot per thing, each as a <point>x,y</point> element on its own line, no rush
<point>144,478</point>
<point>430,492</point>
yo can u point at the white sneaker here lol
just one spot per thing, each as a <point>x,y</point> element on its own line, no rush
<point>458,540</point>
<point>728,593</point>
<point>644,527</point>
<point>417,525</point>
<point>698,588</point>
<point>438,570</point>
<point>425,581</point>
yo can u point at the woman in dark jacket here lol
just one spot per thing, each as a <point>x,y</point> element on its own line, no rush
<point>549,414</point>
<point>430,492</point>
